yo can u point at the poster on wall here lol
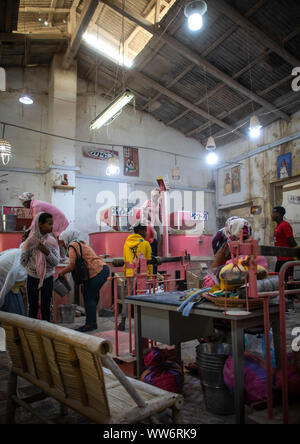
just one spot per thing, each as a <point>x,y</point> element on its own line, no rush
<point>131,161</point>
<point>227,183</point>
<point>284,166</point>
<point>99,153</point>
<point>232,181</point>
<point>236,179</point>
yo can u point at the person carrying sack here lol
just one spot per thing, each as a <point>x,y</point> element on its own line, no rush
<point>86,268</point>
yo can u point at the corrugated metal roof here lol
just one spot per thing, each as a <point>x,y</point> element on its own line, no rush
<point>222,42</point>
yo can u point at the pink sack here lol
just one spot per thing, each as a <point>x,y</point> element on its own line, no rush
<point>255,378</point>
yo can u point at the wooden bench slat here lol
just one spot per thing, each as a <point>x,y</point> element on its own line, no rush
<point>67,366</point>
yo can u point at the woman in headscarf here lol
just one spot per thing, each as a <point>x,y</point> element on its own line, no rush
<point>97,270</point>
<point>231,232</point>
<point>12,279</point>
<point>60,222</point>
<point>40,256</point>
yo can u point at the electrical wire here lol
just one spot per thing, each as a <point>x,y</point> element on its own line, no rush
<point>94,143</point>
<point>259,115</point>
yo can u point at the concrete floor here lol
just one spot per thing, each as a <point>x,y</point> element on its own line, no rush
<point>194,411</point>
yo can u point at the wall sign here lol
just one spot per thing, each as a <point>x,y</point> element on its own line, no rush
<point>199,216</point>
<point>99,153</point>
<point>121,212</point>
<point>294,200</point>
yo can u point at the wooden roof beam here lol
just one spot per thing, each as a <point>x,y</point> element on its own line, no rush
<point>196,58</point>
<point>217,43</point>
<point>225,114</point>
<point>52,11</point>
<point>43,10</point>
<point>240,20</point>
<point>86,16</point>
<point>183,102</point>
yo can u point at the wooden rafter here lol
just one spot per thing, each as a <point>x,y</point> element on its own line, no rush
<point>197,59</point>
<point>238,18</point>
<point>221,86</point>
<point>52,11</point>
<point>87,13</point>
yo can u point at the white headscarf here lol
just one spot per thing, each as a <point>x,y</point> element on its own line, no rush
<point>69,236</point>
<point>11,271</point>
<point>25,197</point>
<point>234,226</point>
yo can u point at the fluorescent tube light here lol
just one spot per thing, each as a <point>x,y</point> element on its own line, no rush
<point>112,110</point>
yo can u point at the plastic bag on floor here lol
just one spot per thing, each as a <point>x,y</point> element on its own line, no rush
<point>255,378</point>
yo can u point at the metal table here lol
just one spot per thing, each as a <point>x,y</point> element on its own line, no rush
<point>156,318</point>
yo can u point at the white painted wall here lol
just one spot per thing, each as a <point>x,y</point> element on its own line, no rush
<point>132,128</point>
<point>257,173</point>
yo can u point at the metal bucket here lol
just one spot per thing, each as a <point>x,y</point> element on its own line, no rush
<point>8,223</point>
<point>218,400</point>
<point>67,313</point>
<point>62,286</point>
<point>211,359</point>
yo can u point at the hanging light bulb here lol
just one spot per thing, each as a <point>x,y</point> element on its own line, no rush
<point>5,151</point>
<point>195,11</point>
<point>211,157</point>
<point>255,127</point>
<point>25,98</point>
<point>113,167</point>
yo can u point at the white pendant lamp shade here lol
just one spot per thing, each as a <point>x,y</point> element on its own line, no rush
<point>5,151</point>
<point>211,144</point>
<point>211,147</point>
<point>113,167</point>
<point>195,11</point>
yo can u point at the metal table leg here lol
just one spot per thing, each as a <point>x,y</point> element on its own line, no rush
<point>178,353</point>
<point>139,341</point>
<point>237,334</point>
<point>276,338</point>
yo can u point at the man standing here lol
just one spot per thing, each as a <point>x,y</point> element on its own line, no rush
<point>60,222</point>
<point>283,237</point>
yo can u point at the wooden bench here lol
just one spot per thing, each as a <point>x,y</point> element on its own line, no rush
<point>76,370</point>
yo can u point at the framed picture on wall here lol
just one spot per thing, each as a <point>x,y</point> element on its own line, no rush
<point>227,183</point>
<point>284,166</point>
<point>131,161</point>
<point>236,179</point>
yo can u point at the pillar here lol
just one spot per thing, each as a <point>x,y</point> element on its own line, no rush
<point>61,158</point>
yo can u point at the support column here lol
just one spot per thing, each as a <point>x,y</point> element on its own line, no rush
<point>61,157</point>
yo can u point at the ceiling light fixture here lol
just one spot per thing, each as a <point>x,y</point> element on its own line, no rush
<point>113,167</point>
<point>195,11</point>
<point>46,23</point>
<point>107,49</point>
<point>112,110</point>
<point>26,100</point>
<point>211,157</point>
<point>255,127</point>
